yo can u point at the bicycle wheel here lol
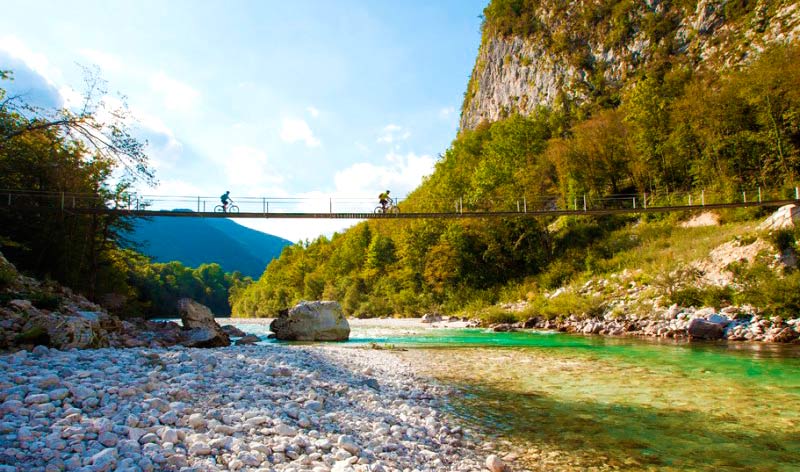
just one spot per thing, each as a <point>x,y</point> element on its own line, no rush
<point>233,209</point>
<point>394,210</point>
<point>378,209</point>
<point>219,209</point>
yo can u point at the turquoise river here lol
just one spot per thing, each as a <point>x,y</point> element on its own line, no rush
<point>572,402</point>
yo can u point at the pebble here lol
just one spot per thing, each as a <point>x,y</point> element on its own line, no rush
<point>281,408</point>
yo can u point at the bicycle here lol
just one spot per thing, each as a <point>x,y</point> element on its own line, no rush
<point>390,208</point>
<point>231,209</point>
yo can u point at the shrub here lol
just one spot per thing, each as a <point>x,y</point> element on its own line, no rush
<point>688,296</point>
<point>7,276</point>
<point>496,315</point>
<point>45,300</point>
<point>566,304</point>
<point>783,239</point>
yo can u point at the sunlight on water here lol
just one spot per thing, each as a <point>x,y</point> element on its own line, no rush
<point>578,402</point>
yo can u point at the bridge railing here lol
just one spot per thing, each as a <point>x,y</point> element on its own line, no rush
<point>363,204</point>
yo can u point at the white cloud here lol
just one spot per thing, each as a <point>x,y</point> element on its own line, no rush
<point>392,133</point>
<point>401,174</point>
<point>446,112</point>
<point>313,112</point>
<point>177,95</point>
<point>247,169</point>
<point>293,130</point>
<point>37,62</point>
<point>71,97</point>
<point>107,62</point>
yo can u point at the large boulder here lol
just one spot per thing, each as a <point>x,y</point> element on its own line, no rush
<point>203,330</point>
<point>787,216</point>
<point>62,332</point>
<point>312,321</point>
<point>704,329</point>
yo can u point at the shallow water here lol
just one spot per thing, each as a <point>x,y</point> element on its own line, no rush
<point>595,403</point>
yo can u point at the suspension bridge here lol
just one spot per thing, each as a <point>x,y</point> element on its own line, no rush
<point>141,206</point>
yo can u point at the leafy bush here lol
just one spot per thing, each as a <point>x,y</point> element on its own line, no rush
<point>496,315</point>
<point>783,239</point>
<point>773,295</point>
<point>564,305</point>
<point>7,276</point>
<point>45,300</point>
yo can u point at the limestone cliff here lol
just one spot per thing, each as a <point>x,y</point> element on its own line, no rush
<point>550,52</point>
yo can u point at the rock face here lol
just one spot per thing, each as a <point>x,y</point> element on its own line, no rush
<point>203,330</point>
<point>312,321</point>
<point>785,217</point>
<point>566,58</point>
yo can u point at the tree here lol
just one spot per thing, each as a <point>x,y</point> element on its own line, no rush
<point>100,122</point>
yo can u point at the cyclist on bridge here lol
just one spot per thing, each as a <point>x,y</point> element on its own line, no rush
<point>225,198</point>
<point>384,199</point>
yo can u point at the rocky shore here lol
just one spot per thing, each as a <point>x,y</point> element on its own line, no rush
<point>732,324</point>
<point>255,408</point>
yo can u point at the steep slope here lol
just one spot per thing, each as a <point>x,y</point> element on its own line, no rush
<point>607,102</point>
<point>554,53</point>
<point>194,241</point>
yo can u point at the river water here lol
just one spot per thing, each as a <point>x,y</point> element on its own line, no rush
<point>596,403</point>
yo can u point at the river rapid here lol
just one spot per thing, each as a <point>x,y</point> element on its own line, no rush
<point>568,402</point>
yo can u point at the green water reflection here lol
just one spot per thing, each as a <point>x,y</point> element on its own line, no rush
<point>625,403</point>
<point>595,403</point>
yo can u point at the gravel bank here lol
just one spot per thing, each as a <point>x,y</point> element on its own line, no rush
<point>255,408</point>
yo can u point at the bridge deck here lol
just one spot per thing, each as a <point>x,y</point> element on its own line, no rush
<point>465,214</point>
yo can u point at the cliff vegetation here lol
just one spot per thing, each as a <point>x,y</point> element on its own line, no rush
<point>669,131</point>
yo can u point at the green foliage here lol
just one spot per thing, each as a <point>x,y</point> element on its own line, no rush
<point>157,287</point>
<point>50,158</point>
<point>784,239</point>
<point>496,315</point>
<point>45,300</point>
<point>775,296</point>
<point>564,305</point>
<point>7,276</point>
<point>675,129</point>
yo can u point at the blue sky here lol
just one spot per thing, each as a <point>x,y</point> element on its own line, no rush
<point>315,99</point>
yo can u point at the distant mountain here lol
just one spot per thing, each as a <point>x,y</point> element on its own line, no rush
<point>195,241</point>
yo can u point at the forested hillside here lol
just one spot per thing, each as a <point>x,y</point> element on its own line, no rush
<point>675,123</point>
<point>197,241</point>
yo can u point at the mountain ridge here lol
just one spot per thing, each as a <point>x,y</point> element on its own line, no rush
<point>194,241</point>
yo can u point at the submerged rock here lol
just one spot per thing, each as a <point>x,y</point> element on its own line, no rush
<point>312,321</point>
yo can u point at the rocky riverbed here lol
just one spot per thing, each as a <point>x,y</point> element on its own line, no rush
<point>255,408</point>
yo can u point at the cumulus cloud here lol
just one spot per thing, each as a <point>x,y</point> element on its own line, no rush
<point>400,173</point>
<point>248,169</point>
<point>177,95</point>
<point>105,61</point>
<point>391,133</point>
<point>15,48</point>
<point>294,130</point>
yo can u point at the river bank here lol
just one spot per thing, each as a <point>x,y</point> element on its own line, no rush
<point>320,408</point>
